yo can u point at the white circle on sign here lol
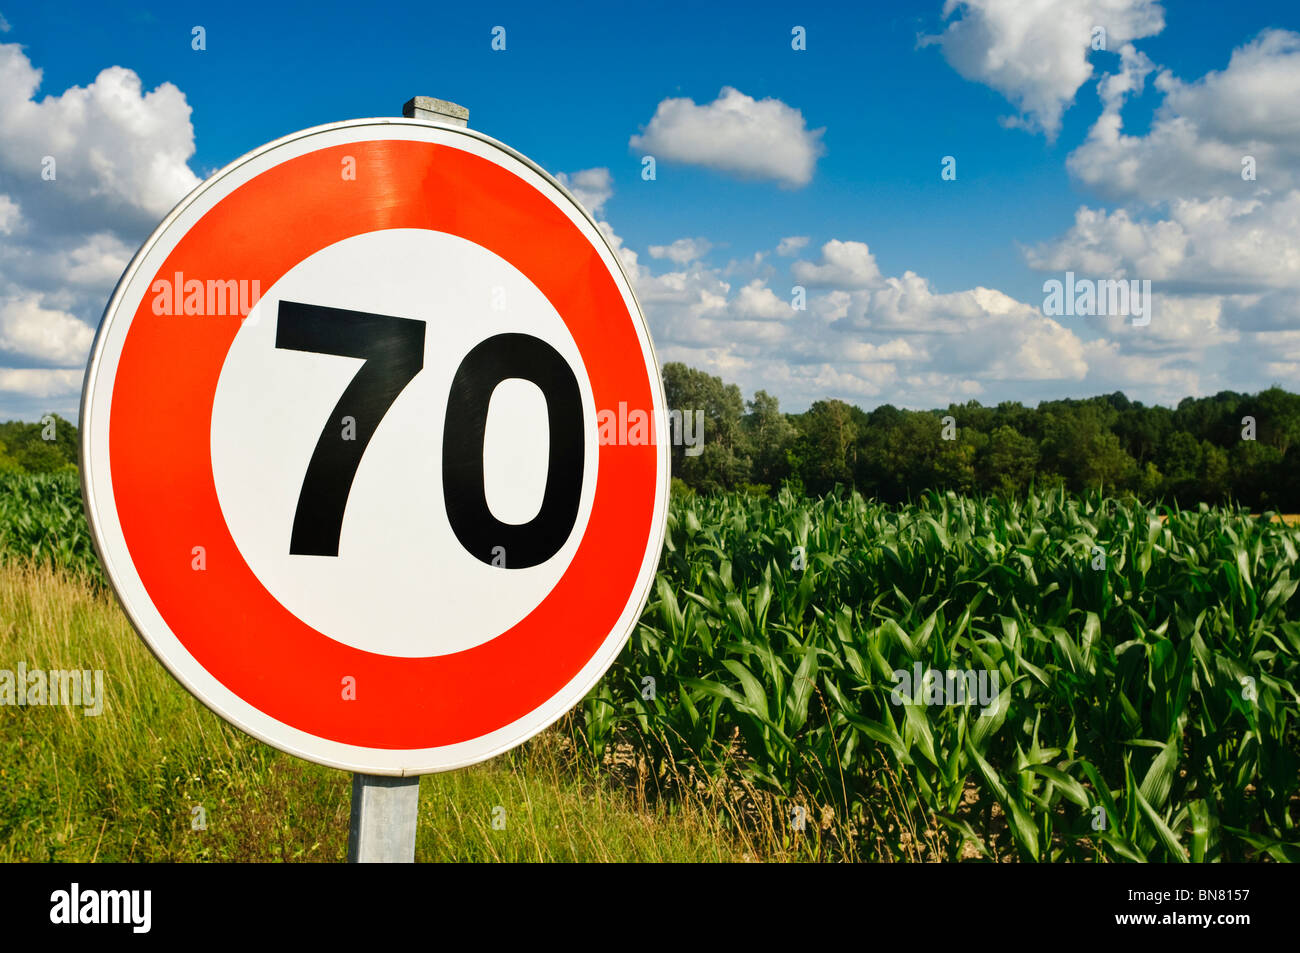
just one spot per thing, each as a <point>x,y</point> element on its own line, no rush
<point>401,584</point>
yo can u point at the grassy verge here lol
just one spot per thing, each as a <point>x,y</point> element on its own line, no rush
<point>124,785</point>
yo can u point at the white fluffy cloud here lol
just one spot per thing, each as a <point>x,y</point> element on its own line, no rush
<point>980,333</point>
<point>869,338</point>
<point>872,338</point>
<point>682,251</point>
<point>44,334</point>
<point>1219,245</point>
<point>1203,130</point>
<point>591,187</point>
<point>1256,98</point>
<point>88,173</point>
<point>735,134</point>
<point>1282,356</point>
<point>756,301</point>
<point>1035,52</point>
<point>1222,251</point>
<point>843,265</point>
<point>10,215</point>
<point>1161,379</point>
<point>117,149</point>
<point>1224,260</point>
<point>40,383</point>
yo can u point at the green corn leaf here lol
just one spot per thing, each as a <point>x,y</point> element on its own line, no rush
<point>1022,826</point>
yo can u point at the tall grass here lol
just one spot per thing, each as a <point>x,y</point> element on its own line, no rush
<point>124,785</point>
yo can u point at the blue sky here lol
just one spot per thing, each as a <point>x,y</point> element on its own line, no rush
<point>1012,93</point>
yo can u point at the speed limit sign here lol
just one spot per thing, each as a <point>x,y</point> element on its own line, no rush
<point>375,449</point>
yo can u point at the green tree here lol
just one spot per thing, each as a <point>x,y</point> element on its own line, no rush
<point>38,457</point>
<point>1079,445</point>
<point>8,463</point>
<point>722,463</point>
<point>1009,462</point>
<point>1214,473</point>
<point>1277,416</point>
<point>1254,474</point>
<point>769,435</point>
<point>826,446</point>
<point>41,447</point>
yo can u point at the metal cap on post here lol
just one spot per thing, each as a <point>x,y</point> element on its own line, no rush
<point>437,110</point>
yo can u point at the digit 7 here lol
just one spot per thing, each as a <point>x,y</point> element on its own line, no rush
<point>393,351</point>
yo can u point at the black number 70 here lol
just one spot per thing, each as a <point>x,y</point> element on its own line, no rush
<point>393,351</point>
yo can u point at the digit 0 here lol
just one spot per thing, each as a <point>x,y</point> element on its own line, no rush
<point>492,361</point>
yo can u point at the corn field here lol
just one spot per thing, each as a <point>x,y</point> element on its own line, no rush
<point>1145,660</point>
<point>42,521</point>
<point>1148,663</point>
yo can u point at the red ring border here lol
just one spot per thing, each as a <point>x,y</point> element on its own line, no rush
<point>159,439</point>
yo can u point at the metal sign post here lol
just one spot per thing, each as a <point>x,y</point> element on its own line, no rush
<point>384,815</point>
<point>386,810</point>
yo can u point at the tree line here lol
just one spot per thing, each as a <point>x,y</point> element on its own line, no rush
<point>42,447</point>
<point>1229,447</point>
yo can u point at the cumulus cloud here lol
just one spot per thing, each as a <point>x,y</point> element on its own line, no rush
<point>843,265</point>
<point>863,336</point>
<point>1223,260</point>
<point>39,383</point>
<point>1160,379</point>
<point>1035,52</point>
<point>1281,356</point>
<point>1222,249</point>
<point>1225,275</point>
<point>1219,245</point>
<point>118,150</point>
<point>873,338</point>
<point>757,301</point>
<point>10,215</point>
<point>1262,312</point>
<point>1256,98</point>
<point>735,134</point>
<point>980,333</point>
<point>591,187</point>
<point>1187,325</point>
<point>682,251</point>
<point>1202,131</point>
<point>88,173</point>
<point>42,334</point>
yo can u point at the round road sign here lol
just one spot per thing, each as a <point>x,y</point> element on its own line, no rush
<point>375,446</point>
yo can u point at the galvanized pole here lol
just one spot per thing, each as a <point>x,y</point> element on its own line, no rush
<point>385,809</point>
<point>384,815</point>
